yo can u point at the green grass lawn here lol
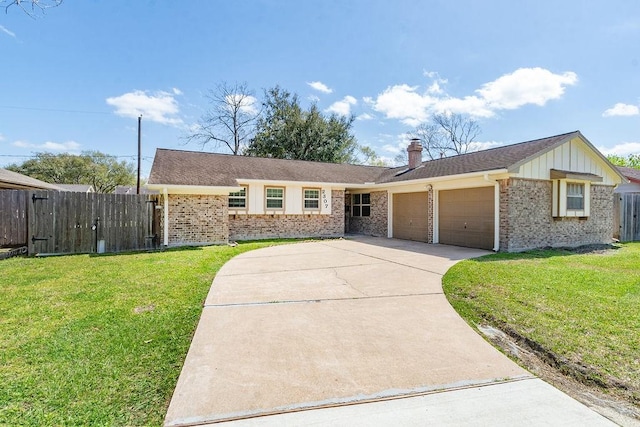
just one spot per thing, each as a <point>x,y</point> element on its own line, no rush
<point>99,340</point>
<point>583,307</point>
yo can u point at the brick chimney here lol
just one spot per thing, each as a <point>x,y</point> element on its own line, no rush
<point>415,153</point>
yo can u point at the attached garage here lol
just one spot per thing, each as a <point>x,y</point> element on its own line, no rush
<point>466,217</point>
<point>411,216</point>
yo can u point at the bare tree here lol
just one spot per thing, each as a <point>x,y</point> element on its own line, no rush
<point>30,7</point>
<point>230,119</point>
<point>446,135</point>
<point>402,158</point>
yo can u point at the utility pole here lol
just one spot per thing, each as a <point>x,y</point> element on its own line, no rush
<point>139,150</point>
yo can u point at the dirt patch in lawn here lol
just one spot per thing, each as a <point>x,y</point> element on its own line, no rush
<point>594,249</point>
<point>608,396</point>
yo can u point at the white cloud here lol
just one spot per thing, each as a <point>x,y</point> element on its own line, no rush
<point>365,116</point>
<point>622,149</point>
<point>2,138</point>
<point>479,146</point>
<point>49,145</point>
<point>160,107</point>
<point>320,87</point>
<point>395,144</point>
<point>621,109</point>
<point>368,100</point>
<point>7,31</point>
<point>394,149</point>
<point>313,98</point>
<point>402,102</point>
<point>248,103</point>
<point>436,86</point>
<point>524,86</point>
<point>176,91</point>
<point>471,105</point>
<point>435,89</point>
<point>343,107</point>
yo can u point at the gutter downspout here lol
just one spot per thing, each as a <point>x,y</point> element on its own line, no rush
<point>165,193</point>
<point>496,212</point>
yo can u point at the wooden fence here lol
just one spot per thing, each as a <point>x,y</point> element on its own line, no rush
<point>627,216</point>
<point>57,222</point>
<point>13,218</point>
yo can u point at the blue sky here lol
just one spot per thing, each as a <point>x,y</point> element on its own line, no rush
<point>77,77</point>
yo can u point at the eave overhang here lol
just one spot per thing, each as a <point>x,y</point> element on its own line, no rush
<point>194,189</point>
<point>579,176</point>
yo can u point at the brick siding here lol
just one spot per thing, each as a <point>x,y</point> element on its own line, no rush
<point>526,221</point>
<point>196,219</point>
<point>249,227</point>
<point>377,223</point>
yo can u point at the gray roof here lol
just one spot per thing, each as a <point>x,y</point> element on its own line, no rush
<point>10,179</point>
<point>174,167</point>
<point>131,189</point>
<point>496,158</point>
<point>631,174</point>
<point>212,169</point>
<point>78,188</point>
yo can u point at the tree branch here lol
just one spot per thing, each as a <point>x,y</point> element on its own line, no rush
<point>35,4</point>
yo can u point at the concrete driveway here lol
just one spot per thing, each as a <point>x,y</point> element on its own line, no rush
<point>351,332</point>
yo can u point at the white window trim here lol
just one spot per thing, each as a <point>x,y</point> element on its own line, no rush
<point>316,199</point>
<point>266,199</point>
<point>576,196</point>
<point>559,207</point>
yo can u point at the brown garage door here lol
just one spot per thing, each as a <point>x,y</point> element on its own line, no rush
<point>466,217</point>
<point>411,216</point>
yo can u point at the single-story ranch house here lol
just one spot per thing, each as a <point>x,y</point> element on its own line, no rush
<point>555,191</point>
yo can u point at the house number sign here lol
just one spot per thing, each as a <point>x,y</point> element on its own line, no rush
<point>325,200</point>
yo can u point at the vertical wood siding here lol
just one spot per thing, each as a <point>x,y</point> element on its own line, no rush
<point>59,222</point>
<point>627,209</point>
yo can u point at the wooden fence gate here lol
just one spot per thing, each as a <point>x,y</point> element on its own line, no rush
<point>13,218</point>
<point>627,216</point>
<point>59,222</point>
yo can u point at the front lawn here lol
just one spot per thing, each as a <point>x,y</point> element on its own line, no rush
<point>99,340</point>
<point>581,307</point>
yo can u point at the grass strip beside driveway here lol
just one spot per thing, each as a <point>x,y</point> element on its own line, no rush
<point>581,307</point>
<point>100,340</point>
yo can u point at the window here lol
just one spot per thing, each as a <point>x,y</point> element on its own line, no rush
<point>311,198</point>
<point>575,196</point>
<point>361,205</point>
<point>274,197</point>
<point>238,199</point>
<point>570,198</point>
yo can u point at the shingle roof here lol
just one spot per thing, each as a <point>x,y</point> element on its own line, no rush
<point>486,160</point>
<point>175,167</point>
<point>10,179</point>
<point>78,188</point>
<point>212,169</point>
<point>131,189</point>
<point>631,174</point>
